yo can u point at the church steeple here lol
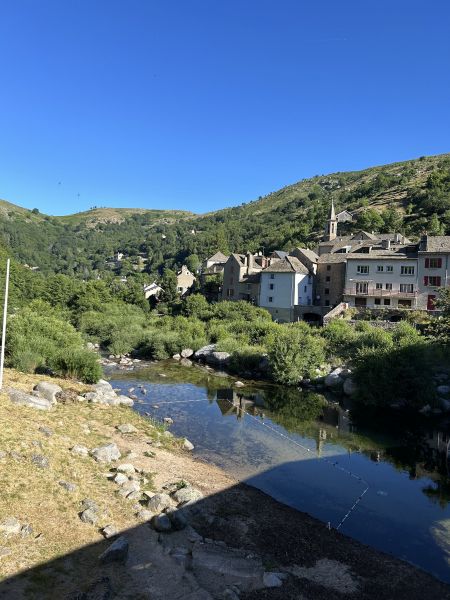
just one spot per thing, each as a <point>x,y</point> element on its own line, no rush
<point>331,226</point>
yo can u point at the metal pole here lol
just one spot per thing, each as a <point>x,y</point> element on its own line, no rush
<point>5,314</point>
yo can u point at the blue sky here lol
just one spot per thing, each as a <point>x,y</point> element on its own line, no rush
<point>202,104</point>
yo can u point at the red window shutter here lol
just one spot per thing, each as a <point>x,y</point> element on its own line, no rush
<point>425,280</point>
<point>427,264</point>
<point>439,262</point>
<point>438,281</point>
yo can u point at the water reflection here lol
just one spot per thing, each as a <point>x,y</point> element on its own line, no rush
<point>286,442</point>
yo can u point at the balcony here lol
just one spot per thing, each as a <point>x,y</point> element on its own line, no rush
<point>372,291</point>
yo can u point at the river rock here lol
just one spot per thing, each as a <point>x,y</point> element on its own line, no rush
<point>168,420</point>
<point>187,353</point>
<point>161,523</point>
<point>239,384</point>
<point>126,428</point>
<point>69,487</point>
<point>30,400</point>
<point>177,518</point>
<point>89,516</point>
<point>272,580</point>
<point>333,379</point>
<point>176,356</point>
<point>159,502</point>
<point>219,359</point>
<point>40,461</point>
<point>187,445</point>
<point>117,552</point>
<point>10,526</point>
<point>80,450</point>
<point>349,387</point>
<point>120,479</point>
<point>127,468</point>
<point>47,390</point>
<point>187,494</point>
<point>109,531</point>
<point>144,515</point>
<point>106,453</point>
<point>205,351</point>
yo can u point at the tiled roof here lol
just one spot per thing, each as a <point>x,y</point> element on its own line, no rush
<point>438,243</point>
<point>313,257</point>
<point>218,257</point>
<point>290,264</point>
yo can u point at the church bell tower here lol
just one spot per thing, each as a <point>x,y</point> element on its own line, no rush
<point>331,226</point>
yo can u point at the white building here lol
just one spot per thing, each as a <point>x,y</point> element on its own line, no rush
<point>285,284</point>
<point>380,280</point>
<point>152,289</point>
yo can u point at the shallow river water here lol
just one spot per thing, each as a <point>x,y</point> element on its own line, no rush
<point>309,455</point>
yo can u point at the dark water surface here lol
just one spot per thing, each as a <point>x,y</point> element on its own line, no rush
<point>308,454</point>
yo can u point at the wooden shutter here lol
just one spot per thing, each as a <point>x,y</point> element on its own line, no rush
<point>438,281</point>
<point>439,262</point>
<point>427,263</point>
<point>425,280</point>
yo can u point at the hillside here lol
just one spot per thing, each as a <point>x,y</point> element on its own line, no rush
<point>410,196</point>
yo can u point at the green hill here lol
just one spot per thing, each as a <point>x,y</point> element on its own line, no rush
<point>410,196</point>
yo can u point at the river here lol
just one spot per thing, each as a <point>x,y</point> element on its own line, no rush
<point>387,486</point>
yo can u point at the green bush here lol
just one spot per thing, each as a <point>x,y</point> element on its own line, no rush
<point>79,364</point>
<point>294,353</point>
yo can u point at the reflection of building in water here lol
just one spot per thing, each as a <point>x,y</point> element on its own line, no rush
<point>230,403</point>
<point>337,417</point>
<point>321,439</point>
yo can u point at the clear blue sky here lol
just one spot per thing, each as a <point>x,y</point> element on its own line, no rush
<point>201,104</point>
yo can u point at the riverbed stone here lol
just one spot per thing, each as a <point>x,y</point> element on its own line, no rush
<point>204,351</point>
<point>187,494</point>
<point>126,428</point>
<point>69,487</point>
<point>117,552</point>
<point>30,400</point>
<point>106,454</point>
<point>161,523</point>
<point>159,502</point>
<point>187,445</point>
<point>127,468</point>
<point>10,526</point>
<point>120,478</point>
<point>40,461</point>
<point>443,389</point>
<point>80,450</point>
<point>178,518</point>
<point>219,359</point>
<point>333,379</point>
<point>89,516</point>
<point>109,531</point>
<point>187,353</point>
<point>48,390</point>
<point>349,386</point>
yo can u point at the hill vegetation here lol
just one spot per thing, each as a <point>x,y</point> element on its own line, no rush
<point>411,196</point>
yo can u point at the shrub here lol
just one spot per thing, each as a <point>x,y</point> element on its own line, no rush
<point>79,364</point>
<point>294,353</point>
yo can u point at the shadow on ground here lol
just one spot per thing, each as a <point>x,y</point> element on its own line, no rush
<point>239,543</point>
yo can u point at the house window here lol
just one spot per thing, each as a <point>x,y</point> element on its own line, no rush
<point>380,268</point>
<point>433,263</point>
<point>272,276</point>
<point>389,286</point>
<point>248,286</point>
<point>327,291</point>
<point>327,303</point>
<point>407,270</point>
<point>270,298</point>
<point>377,301</point>
<point>362,269</point>
<point>433,281</point>
<point>387,302</point>
<point>379,286</point>
<point>389,269</point>
<point>407,288</point>
<point>328,267</point>
<point>305,289</point>
<point>362,287</point>
<point>271,286</point>
<point>327,278</point>
<point>230,292</point>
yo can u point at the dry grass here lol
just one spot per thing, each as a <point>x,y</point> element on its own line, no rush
<point>33,495</point>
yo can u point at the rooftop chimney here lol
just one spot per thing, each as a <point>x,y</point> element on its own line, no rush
<point>386,244</point>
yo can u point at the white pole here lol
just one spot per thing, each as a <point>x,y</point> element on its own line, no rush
<point>5,314</point>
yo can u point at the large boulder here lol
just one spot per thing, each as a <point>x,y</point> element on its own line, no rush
<point>334,379</point>
<point>349,386</point>
<point>187,352</point>
<point>30,400</point>
<point>205,351</point>
<point>106,454</point>
<point>48,390</point>
<point>159,502</point>
<point>117,552</point>
<point>186,495</point>
<point>219,359</point>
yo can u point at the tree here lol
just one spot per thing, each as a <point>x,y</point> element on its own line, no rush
<point>169,286</point>
<point>192,262</point>
<point>370,220</point>
<point>435,226</point>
